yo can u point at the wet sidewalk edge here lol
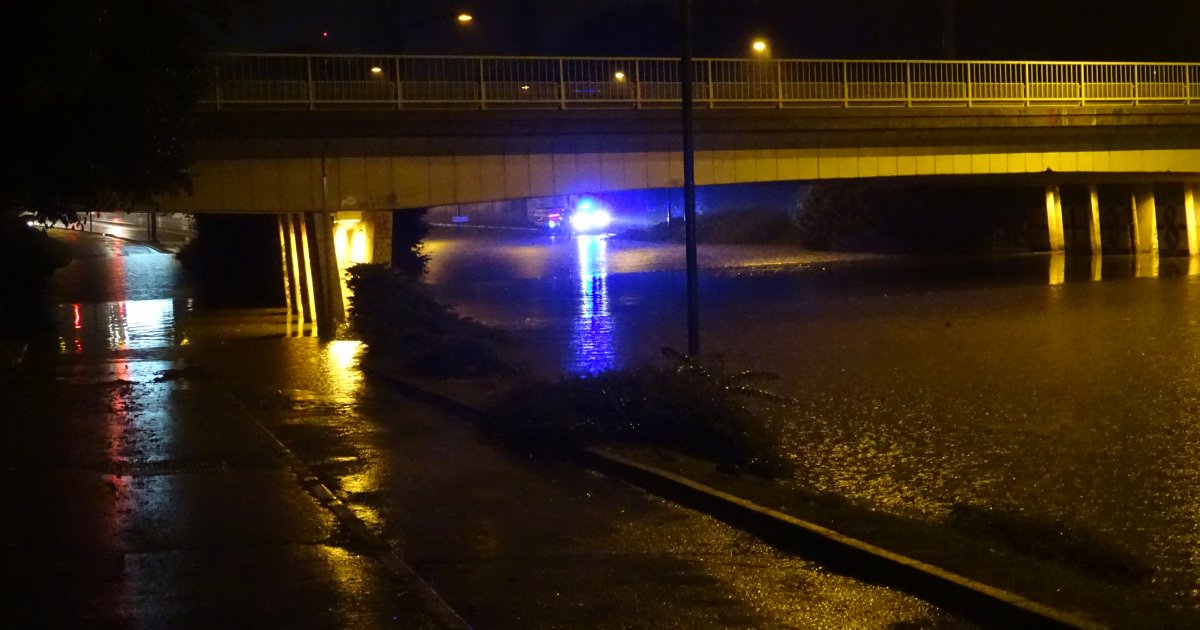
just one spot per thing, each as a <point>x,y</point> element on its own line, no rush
<point>977,602</point>
<point>404,576</point>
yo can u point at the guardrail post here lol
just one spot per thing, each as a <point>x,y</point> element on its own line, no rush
<point>482,87</point>
<point>779,82</point>
<point>637,84</point>
<point>1026,64</point>
<point>1137,80</point>
<point>845,84</point>
<point>907,84</point>
<point>709,84</point>
<point>1082,85</point>
<point>217,84</point>
<point>970,87</point>
<point>562,86</point>
<point>399,83</point>
<point>309,83</point>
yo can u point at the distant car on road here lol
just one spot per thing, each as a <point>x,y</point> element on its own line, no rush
<point>583,215</point>
<point>590,217</point>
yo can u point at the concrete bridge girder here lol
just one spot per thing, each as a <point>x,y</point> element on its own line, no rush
<point>274,161</point>
<point>294,184</point>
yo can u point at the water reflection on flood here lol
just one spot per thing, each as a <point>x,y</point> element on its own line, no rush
<point>593,346</point>
<point>339,365</point>
<point>127,325</point>
<point>1062,387</point>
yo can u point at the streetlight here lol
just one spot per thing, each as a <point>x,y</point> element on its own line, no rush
<point>462,19</point>
<point>619,76</point>
<point>760,47</point>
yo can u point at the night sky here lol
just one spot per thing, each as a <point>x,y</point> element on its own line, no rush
<point>985,29</point>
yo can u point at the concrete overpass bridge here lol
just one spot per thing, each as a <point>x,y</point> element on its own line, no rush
<point>335,143</point>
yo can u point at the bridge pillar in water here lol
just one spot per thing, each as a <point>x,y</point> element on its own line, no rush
<point>1080,207</point>
<point>297,268</point>
<point>1054,218</point>
<point>1094,220</point>
<point>347,238</point>
<point>1189,210</point>
<point>332,309</point>
<point>1145,220</point>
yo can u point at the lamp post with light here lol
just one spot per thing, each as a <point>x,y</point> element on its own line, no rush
<point>463,19</point>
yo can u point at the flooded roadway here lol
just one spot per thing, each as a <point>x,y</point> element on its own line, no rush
<point>143,495</point>
<point>1064,391</point>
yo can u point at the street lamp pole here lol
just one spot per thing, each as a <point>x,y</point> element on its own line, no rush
<point>689,176</point>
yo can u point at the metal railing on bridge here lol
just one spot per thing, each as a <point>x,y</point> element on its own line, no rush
<point>300,81</point>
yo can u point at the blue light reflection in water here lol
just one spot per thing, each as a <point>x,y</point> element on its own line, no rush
<point>592,334</point>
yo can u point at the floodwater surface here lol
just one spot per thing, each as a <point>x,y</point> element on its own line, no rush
<point>1066,391</point>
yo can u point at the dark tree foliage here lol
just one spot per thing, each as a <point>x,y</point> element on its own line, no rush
<point>400,323</point>
<point>100,94</point>
<point>408,233</point>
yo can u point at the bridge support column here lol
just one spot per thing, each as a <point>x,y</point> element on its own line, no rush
<point>1054,218</point>
<point>294,263</point>
<point>1189,210</point>
<point>297,269</point>
<point>284,234</point>
<point>1145,220</point>
<point>1094,220</point>
<point>309,281</point>
<point>344,239</point>
<point>332,309</point>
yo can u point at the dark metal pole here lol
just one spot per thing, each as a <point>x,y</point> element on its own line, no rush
<point>689,177</point>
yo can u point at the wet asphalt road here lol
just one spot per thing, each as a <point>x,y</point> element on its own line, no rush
<point>142,495</point>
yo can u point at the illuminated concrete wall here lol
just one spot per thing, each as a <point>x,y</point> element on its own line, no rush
<point>356,183</point>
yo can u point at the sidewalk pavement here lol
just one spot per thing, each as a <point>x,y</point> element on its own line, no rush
<point>134,499</point>
<point>514,542</point>
<point>141,493</point>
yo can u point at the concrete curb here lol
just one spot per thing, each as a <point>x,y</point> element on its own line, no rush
<point>980,603</point>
